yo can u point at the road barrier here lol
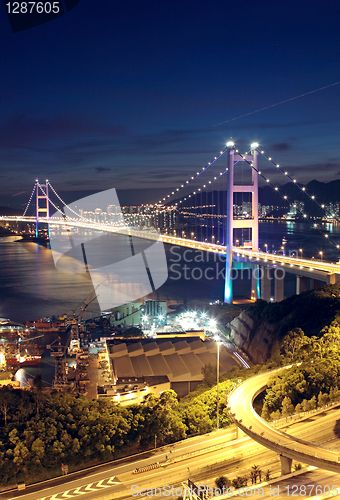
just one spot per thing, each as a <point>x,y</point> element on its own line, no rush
<point>139,470</point>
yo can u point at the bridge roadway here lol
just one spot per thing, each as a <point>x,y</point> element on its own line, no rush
<point>319,270</point>
<point>288,447</point>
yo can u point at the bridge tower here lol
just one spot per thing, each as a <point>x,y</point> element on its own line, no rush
<point>42,207</point>
<point>232,223</point>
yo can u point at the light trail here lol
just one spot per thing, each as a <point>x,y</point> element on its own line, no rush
<point>277,103</point>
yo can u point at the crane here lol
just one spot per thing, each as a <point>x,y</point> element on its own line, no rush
<point>72,345</point>
<point>60,373</point>
<point>75,323</point>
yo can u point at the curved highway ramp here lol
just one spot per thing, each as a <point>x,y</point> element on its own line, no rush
<point>287,446</point>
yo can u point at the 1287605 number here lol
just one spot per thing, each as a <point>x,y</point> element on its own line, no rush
<point>33,7</point>
<point>308,490</point>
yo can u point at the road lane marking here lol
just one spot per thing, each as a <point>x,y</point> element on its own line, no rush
<point>113,480</point>
<point>100,485</point>
<point>88,487</point>
<point>79,492</point>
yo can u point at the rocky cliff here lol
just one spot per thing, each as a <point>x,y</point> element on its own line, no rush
<point>256,329</point>
<point>256,340</point>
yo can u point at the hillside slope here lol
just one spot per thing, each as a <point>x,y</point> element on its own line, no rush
<point>256,329</point>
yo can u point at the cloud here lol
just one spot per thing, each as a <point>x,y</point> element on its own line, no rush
<point>102,169</point>
<point>21,131</point>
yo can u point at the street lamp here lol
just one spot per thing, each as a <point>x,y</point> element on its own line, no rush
<point>218,379</point>
<point>301,251</point>
<point>266,247</point>
<point>321,254</point>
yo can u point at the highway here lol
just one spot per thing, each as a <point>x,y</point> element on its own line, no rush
<point>229,458</point>
<point>241,406</point>
<point>318,269</point>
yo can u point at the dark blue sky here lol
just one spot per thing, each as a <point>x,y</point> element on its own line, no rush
<point>128,94</point>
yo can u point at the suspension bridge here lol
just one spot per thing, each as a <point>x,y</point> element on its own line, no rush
<point>267,268</point>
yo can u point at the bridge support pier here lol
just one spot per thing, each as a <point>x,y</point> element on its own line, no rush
<point>239,433</point>
<point>255,282</point>
<point>314,284</point>
<point>286,465</point>
<point>279,281</point>
<point>266,283</point>
<point>333,279</point>
<point>301,284</point>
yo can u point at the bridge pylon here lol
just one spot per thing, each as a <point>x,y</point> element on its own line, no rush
<point>42,207</point>
<point>249,223</point>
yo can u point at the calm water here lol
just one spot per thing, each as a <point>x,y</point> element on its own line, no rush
<point>31,287</point>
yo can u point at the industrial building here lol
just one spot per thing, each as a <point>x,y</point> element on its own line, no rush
<point>180,361</point>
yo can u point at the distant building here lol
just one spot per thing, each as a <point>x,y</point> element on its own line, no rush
<point>133,313</point>
<point>296,208</point>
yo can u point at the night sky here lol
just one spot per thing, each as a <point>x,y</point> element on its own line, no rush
<point>131,94</point>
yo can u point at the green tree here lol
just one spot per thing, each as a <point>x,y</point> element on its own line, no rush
<point>323,399</point>
<point>287,407</point>
<point>293,343</point>
<point>275,355</point>
<point>275,415</point>
<point>312,403</point>
<point>38,450</point>
<point>256,472</point>
<point>222,482</point>
<point>332,393</point>
<point>209,373</point>
<point>305,405</point>
<point>265,412</point>
<point>240,482</point>
<point>298,409</point>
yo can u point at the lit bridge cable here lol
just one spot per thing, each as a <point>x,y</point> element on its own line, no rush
<point>285,197</point>
<point>294,181</point>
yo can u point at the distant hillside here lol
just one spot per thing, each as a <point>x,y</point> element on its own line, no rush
<point>10,211</point>
<point>323,192</point>
<point>256,329</point>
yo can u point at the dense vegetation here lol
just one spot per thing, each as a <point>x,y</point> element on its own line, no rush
<point>313,383</point>
<point>39,432</point>
<point>310,311</point>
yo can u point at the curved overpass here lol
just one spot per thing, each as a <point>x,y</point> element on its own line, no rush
<point>287,446</point>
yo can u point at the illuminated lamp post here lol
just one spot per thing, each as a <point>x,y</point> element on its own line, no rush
<point>218,379</point>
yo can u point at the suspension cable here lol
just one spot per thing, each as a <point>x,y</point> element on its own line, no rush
<point>194,176</point>
<point>62,201</point>
<point>294,181</point>
<point>285,197</point>
<point>29,201</point>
